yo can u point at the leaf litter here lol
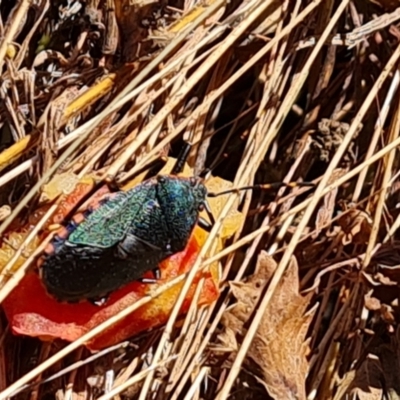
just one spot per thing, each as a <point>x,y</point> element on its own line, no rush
<point>45,318</point>
<point>280,347</point>
<point>99,90</point>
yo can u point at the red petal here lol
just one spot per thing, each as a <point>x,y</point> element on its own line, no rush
<point>31,311</point>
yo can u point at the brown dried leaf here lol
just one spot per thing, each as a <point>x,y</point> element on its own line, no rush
<point>228,340</point>
<point>387,314</point>
<point>63,183</point>
<point>279,347</point>
<point>389,355</point>
<point>372,303</point>
<point>326,211</point>
<point>377,377</point>
<point>9,246</point>
<point>129,14</point>
<point>363,384</point>
<point>379,279</point>
<point>5,211</point>
<point>356,225</point>
<point>247,294</point>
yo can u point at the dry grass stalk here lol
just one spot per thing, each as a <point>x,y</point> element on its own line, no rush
<point>294,64</point>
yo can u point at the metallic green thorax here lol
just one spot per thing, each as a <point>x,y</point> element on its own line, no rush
<point>161,211</point>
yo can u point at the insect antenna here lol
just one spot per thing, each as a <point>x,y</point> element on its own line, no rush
<point>179,165</point>
<point>204,224</point>
<point>182,157</point>
<point>266,186</point>
<point>206,171</point>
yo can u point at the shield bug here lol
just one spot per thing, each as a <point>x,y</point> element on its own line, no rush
<point>127,235</point>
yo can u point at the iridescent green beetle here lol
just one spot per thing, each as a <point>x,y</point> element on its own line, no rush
<point>129,234</point>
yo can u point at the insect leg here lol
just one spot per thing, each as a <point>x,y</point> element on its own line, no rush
<point>147,280</point>
<point>266,186</point>
<point>207,209</point>
<point>204,224</point>
<point>98,302</point>
<point>157,273</point>
<point>157,276</point>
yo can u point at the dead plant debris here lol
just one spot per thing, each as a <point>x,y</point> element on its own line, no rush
<point>101,93</point>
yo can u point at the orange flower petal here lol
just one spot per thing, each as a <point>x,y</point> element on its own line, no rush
<point>32,312</point>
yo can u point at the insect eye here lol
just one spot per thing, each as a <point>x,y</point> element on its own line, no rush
<point>161,179</point>
<point>193,181</point>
